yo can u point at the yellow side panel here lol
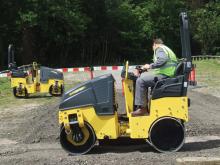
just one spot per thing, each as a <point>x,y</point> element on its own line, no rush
<point>139,126</point>
<point>129,96</point>
<point>16,81</point>
<point>170,106</point>
<point>44,87</point>
<point>31,88</point>
<point>102,125</point>
<point>176,107</point>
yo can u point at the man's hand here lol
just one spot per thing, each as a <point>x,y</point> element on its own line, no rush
<point>146,66</point>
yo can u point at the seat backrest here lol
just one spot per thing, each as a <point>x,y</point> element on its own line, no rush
<point>179,69</point>
<point>170,87</point>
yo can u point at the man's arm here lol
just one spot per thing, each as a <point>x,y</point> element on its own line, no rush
<point>161,59</point>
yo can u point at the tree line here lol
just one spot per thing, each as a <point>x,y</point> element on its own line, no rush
<point>67,33</point>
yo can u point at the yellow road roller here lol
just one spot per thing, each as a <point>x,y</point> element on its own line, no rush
<point>88,112</point>
<point>33,78</point>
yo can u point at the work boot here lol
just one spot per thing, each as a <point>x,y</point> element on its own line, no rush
<point>140,112</point>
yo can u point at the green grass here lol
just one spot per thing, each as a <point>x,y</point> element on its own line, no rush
<point>5,91</point>
<point>208,72</point>
<point>5,88</point>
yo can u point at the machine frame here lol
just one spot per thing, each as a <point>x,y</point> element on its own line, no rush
<point>85,115</point>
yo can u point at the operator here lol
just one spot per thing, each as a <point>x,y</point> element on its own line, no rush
<point>163,66</point>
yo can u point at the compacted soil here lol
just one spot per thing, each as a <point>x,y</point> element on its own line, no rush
<point>29,134</point>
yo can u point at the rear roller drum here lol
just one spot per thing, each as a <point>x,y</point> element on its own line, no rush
<point>56,91</point>
<point>167,135</point>
<point>78,140</point>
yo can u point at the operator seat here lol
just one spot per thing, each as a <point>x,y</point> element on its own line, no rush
<point>171,86</point>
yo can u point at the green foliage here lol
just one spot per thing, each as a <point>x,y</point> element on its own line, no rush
<point>165,21</point>
<point>29,18</point>
<point>66,33</point>
<point>207,27</point>
<point>132,26</point>
<point>139,28</point>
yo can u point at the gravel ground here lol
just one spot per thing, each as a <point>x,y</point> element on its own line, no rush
<point>29,134</point>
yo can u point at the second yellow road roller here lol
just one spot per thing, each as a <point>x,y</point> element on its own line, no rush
<point>33,78</point>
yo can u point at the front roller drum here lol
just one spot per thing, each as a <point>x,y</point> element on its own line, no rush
<point>78,140</point>
<point>167,134</point>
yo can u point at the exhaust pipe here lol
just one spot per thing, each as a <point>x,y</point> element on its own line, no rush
<point>167,134</point>
<point>11,58</point>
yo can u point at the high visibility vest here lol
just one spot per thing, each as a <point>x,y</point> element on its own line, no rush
<point>169,67</point>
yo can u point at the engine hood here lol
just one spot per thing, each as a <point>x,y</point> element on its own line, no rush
<point>98,92</point>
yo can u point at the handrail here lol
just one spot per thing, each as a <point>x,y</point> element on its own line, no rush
<point>204,57</point>
<point>126,70</point>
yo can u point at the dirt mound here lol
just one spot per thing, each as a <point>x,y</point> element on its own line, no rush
<point>43,125</point>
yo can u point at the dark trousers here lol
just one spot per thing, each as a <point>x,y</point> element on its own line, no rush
<point>146,80</point>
